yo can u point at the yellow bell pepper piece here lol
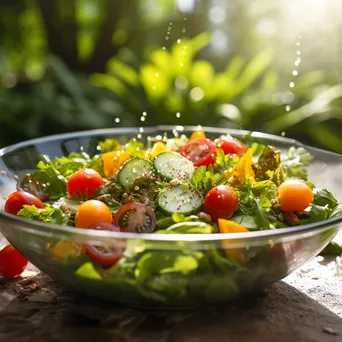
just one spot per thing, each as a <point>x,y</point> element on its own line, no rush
<point>242,171</point>
<point>64,248</point>
<point>227,226</point>
<point>199,133</point>
<point>157,148</point>
<point>113,160</point>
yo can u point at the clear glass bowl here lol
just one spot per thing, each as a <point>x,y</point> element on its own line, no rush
<point>271,254</point>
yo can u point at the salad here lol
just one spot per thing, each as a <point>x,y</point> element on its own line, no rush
<point>178,185</point>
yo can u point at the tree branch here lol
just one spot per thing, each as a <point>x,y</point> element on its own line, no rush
<point>104,48</point>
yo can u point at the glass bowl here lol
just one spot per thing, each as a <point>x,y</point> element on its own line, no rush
<point>180,270</point>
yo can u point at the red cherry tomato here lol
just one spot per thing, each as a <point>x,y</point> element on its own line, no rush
<point>199,151</point>
<point>16,200</point>
<point>12,263</point>
<point>106,255</point>
<point>84,183</point>
<point>220,202</point>
<point>135,218</point>
<point>231,146</point>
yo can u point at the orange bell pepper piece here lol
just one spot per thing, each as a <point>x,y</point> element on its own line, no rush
<point>227,226</point>
<point>113,160</point>
<point>199,133</point>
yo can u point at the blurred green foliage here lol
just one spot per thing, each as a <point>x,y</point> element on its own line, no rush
<point>68,65</point>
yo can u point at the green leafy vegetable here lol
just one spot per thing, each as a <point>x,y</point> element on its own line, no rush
<point>48,175</point>
<point>109,145</point>
<point>88,271</point>
<point>224,161</point>
<point>48,214</point>
<point>323,197</point>
<point>135,148</point>
<point>295,160</point>
<point>203,180</point>
<point>333,248</point>
<point>269,160</point>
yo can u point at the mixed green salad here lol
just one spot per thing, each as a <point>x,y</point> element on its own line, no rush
<point>178,185</point>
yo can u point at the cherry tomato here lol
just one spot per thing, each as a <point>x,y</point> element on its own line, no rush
<point>135,218</point>
<point>16,200</point>
<point>199,151</point>
<point>104,254</point>
<point>84,183</point>
<point>231,146</point>
<point>294,195</point>
<point>91,212</point>
<point>220,202</point>
<point>12,263</point>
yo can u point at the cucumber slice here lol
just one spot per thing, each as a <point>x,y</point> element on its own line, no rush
<point>133,169</point>
<point>180,199</point>
<point>171,165</point>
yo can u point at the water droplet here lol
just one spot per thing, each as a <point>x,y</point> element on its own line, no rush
<point>117,120</point>
<point>179,41</point>
<point>154,87</point>
<point>178,115</point>
<point>134,170</point>
<point>142,118</point>
<point>298,43</point>
<point>156,74</point>
<point>184,52</point>
<point>139,136</point>
<point>291,84</point>
<point>295,73</point>
<point>141,129</point>
<point>287,108</point>
<point>144,113</point>
<point>185,47</point>
<point>283,134</point>
<point>166,37</point>
<point>169,32</point>
<point>169,28</point>
<point>183,30</point>
<point>181,64</point>
<point>170,23</point>
<point>185,18</point>
<point>163,48</point>
<point>298,53</point>
<point>297,61</point>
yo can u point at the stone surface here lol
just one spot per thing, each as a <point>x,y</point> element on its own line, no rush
<point>37,309</point>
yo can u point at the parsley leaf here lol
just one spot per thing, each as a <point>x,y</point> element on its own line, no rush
<point>295,161</point>
<point>48,214</point>
<point>203,180</point>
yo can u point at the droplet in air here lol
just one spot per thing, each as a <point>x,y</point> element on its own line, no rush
<point>163,48</point>
<point>156,74</point>
<point>291,84</point>
<point>183,30</point>
<point>139,136</point>
<point>181,64</point>
<point>184,52</point>
<point>283,134</point>
<point>295,73</point>
<point>144,113</point>
<point>178,115</point>
<point>141,129</point>
<point>117,120</point>
<point>154,87</point>
<point>298,43</point>
<point>179,41</point>
<point>287,108</point>
<point>142,118</point>
<point>166,37</point>
<point>298,53</point>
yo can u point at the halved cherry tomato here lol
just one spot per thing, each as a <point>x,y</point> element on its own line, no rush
<point>199,151</point>
<point>220,202</point>
<point>231,146</point>
<point>91,212</point>
<point>84,183</point>
<point>136,218</point>
<point>16,200</point>
<point>12,263</point>
<point>294,195</point>
<point>105,254</point>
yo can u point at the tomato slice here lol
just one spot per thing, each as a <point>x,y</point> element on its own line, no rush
<point>232,146</point>
<point>12,263</point>
<point>135,218</point>
<point>200,151</point>
<point>106,255</point>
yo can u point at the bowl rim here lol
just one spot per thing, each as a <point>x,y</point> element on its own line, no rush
<point>36,227</point>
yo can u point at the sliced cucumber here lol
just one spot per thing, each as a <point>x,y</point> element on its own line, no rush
<point>171,165</point>
<point>180,199</point>
<point>133,169</point>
